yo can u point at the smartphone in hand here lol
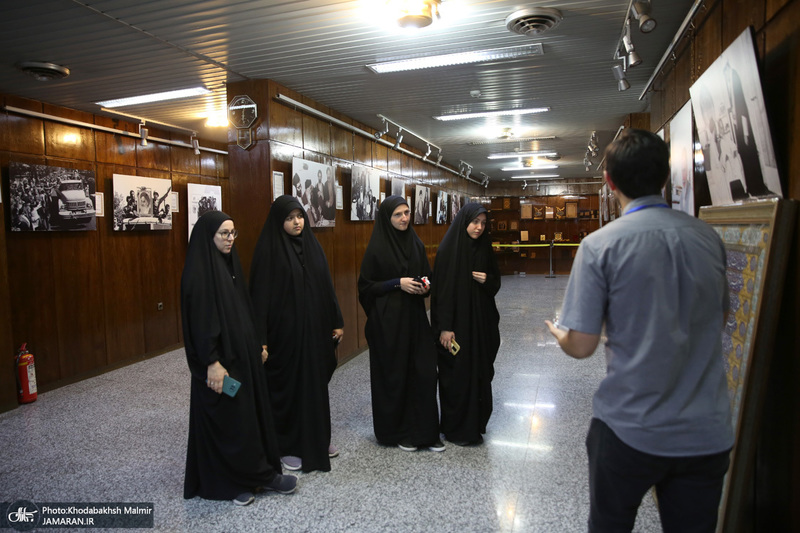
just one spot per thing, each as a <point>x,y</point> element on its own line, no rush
<point>230,386</point>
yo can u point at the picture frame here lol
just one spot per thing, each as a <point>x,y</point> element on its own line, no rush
<point>757,237</point>
<point>501,225</point>
<point>549,212</point>
<point>538,213</point>
<point>506,203</point>
<point>560,213</point>
<point>513,225</point>
<point>571,209</point>
<point>557,236</point>
<point>526,211</point>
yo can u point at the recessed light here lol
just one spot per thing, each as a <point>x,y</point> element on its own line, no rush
<point>510,155</point>
<point>535,176</point>
<point>154,97</point>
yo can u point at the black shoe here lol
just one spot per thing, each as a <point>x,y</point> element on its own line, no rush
<point>406,447</point>
<point>245,498</point>
<point>437,446</point>
<point>283,484</point>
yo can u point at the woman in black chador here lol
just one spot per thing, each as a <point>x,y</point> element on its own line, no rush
<point>232,450</point>
<point>298,319</point>
<point>463,309</point>
<point>402,350</point>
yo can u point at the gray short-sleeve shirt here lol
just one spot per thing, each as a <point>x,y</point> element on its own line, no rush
<point>656,278</point>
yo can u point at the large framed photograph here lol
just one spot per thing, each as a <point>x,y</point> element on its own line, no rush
<point>757,238</point>
<point>202,199</point>
<point>141,204</point>
<point>732,124</point>
<point>313,184</point>
<point>365,184</point>
<point>422,204</point>
<point>681,160</point>
<point>47,198</point>
<point>455,205</point>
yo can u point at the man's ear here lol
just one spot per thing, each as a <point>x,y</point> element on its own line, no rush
<point>609,181</point>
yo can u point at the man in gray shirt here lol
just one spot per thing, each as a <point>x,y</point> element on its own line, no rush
<point>661,417</point>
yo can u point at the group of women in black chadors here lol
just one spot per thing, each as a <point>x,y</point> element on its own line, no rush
<point>278,340</point>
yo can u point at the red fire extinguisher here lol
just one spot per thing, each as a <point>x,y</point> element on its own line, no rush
<point>26,375</point>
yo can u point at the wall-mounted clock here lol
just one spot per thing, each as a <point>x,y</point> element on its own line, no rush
<point>242,112</point>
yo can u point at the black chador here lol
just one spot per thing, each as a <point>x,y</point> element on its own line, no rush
<point>296,312</point>
<point>232,446</point>
<point>466,307</point>
<point>402,354</point>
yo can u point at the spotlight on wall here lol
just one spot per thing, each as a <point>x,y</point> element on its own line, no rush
<point>622,82</point>
<point>196,146</point>
<point>525,185</point>
<point>633,57</point>
<point>428,152</point>
<point>439,158</point>
<point>384,131</point>
<point>641,12</point>
<point>143,133</point>
<point>399,140</point>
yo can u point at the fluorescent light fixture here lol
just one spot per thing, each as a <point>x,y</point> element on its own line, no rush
<point>458,58</point>
<point>155,97</point>
<point>482,114</point>
<point>535,176</point>
<point>511,155</point>
<point>532,167</point>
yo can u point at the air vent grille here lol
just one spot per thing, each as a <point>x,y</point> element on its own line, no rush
<point>533,21</point>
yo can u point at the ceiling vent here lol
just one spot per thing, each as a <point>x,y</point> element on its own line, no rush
<point>42,71</point>
<point>533,21</point>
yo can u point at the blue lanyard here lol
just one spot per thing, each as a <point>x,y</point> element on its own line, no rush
<point>644,207</point>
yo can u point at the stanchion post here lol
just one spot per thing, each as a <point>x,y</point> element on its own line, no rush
<point>551,275</point>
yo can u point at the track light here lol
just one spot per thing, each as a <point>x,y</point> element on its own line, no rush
<point>143,133</point>
<point>641,12</point>
<point>525,185</point>
<point>439,158</point>
<point>428,152</point>
<point>619,74</point>
<point>633,57</point>
<point>384,131</point>
<point>398,141</point>
<point>196,146</point>
<point>538,186</point>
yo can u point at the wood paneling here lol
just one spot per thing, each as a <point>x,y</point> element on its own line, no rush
<point>86,301</point>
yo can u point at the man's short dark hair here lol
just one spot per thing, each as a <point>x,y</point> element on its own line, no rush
<point>638,163</point>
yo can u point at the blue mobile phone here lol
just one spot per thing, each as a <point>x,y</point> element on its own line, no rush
<point>230,386</point>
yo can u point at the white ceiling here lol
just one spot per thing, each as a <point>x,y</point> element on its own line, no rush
<point>319,48</point>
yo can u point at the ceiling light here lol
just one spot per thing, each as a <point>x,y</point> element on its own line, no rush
<point>530,167</point>
<point>509,155</point>
<point>535,176</point>
<point>143,133</point>
<point>217,120</point>
<point>633,57</point>
<point>525,185</point>
<point>416,13</point>
<point>619,74</point>
<point>482,114</point>
<point>398,141</point>
<point>196,146</point>
<point>641,12</point>
<point>155,97</point>
<point>510,140</point>
<point>458,58</point>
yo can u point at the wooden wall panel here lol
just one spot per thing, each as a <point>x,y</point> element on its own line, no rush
<point>85,301</point>
<point>22,134</point>
<point>8,387</point>
<point>739,14</point>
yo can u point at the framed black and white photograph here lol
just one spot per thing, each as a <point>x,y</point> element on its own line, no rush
<point>313,184</point>
<point>365,184</point>
<point>47,198</point>
<point>422,203</point>
<point>442,208</point>
<point>681,160</point>
<point>732,125</point>
<point>202,199</point>
<point>398,186</point>
<point>141,204</point>
<point>455,205</point>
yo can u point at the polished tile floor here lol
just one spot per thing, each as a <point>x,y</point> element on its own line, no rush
<point>121,437</point>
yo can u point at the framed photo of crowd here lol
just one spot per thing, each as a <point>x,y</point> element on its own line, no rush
<point>141,203</point>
